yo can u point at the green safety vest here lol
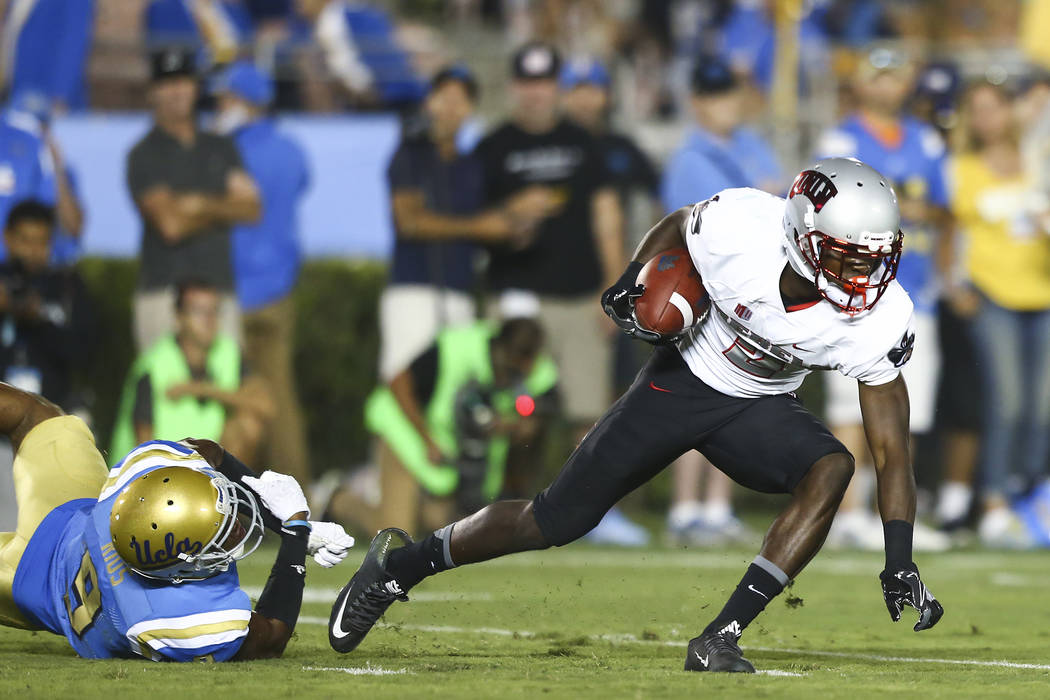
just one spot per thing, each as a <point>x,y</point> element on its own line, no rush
<point>188,416</point>
<point>463,356</point>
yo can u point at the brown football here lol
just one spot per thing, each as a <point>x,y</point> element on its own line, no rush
<point>674,297</point>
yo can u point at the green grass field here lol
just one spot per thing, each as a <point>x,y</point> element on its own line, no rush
<point>583,622</point>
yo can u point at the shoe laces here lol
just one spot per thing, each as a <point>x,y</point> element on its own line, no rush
<point>724,642</point>
<point>369,606</point>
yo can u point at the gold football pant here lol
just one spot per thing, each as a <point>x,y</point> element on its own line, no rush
<point>56,463</point>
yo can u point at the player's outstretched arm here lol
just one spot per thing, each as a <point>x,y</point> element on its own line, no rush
<point>885,409</point>
<point>21,411</point>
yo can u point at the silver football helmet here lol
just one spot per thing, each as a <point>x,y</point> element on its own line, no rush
<point>842,211</point>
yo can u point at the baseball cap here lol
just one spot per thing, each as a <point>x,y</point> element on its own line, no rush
<point>242,79</point>
<point>536,60</point>
<point>583,71</point>
<point>172,62</point>
<point>456,72</point>
<point>711,76</point>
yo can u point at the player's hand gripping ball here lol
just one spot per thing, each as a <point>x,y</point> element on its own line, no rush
<point>673,299</point>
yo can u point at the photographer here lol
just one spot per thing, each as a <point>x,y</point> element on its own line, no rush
<point>45,313</point>
<point>445,423</point>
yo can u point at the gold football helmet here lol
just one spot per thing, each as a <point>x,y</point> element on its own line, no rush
<point>184,524</point>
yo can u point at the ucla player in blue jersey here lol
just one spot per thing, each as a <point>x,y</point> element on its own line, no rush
<point>140,560</point>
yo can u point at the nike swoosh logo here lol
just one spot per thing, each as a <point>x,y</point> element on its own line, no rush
<point>703,659</point>
<point>755,590</point>
<point>653,386</point>
<point>337,624</point>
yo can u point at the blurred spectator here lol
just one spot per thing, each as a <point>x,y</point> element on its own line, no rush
<point>445,424</point>
<point>587,101</point>
<point>193,382</point>
<point>27,169</point>
<point>361,53</point>
<point>267,255</point>
<point>189,187</point>
<point>718,153</point>
<point>44,48</point>
<point>749,41</point>
<point>47,326</point>
<point>910,154</point>
<point>1002,218</point>
<point>579,249</point>
<point>437,195</point>
<point>220,27</point>
<point>558,276</point>
<point>31,112</point>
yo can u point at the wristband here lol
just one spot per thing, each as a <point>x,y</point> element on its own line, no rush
<point>898,534</point>
<point>296,523</point>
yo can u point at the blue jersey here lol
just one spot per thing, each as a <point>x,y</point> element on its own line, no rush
<point>72,582</point>
<point>915,166</point>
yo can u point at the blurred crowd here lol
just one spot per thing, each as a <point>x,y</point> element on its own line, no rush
<point>602,117</point>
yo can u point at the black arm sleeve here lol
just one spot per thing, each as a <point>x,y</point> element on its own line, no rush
<point>235,470</point>
<point>283,596</point>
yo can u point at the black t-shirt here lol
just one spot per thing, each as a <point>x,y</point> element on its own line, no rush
<point>628,167</point>
<point>56,343</point>
<point>450,187</point>
<point>563,259</point>
<point>159,159</point>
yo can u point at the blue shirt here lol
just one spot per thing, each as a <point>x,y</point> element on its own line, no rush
<point>749,41</point>
<point>26,169</point>
<point>72,582</point>
<point>51,50</point>
<point>705,165</point>
<point>267,255</point>
<point>915,166</point>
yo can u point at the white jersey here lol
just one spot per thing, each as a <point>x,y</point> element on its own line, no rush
<point>750,345</point>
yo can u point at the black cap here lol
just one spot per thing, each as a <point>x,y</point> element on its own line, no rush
<point>712,75</point>
<point>457,72</point>
<point>172,62</point>
<point>536,60</point>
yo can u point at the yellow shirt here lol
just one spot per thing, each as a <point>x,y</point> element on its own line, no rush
<point>1007,252</point>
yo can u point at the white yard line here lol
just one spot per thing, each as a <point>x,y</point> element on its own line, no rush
<point>327,595</point>
<point>367,670</point>
<point>617,639</point>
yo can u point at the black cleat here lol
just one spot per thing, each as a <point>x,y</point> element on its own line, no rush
<point>370,592</point>
<point>718,651</point>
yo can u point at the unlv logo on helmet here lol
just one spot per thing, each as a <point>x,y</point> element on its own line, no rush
<point>815,186</point>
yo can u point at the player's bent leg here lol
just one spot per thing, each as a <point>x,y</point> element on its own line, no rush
<point>799,531</point>
<point>792,540</point>
<point>56,463</point>
<point>641,434</point>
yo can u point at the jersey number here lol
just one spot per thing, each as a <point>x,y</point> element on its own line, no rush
<point>753,361</point>
<point>84,598</point>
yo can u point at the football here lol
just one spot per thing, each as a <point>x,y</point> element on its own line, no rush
<point>674,297</point>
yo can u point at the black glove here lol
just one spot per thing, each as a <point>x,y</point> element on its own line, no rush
<point>618,303</point>
<point>904,587</point>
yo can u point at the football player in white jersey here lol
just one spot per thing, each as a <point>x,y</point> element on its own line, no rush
<point>796,285</point>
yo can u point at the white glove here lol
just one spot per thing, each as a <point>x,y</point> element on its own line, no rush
<point>281,494</point>
<point>329,543</point>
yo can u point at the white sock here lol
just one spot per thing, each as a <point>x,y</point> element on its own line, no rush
<point>717,512</point>
<point>684,513</point>
<point>953,501</point>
